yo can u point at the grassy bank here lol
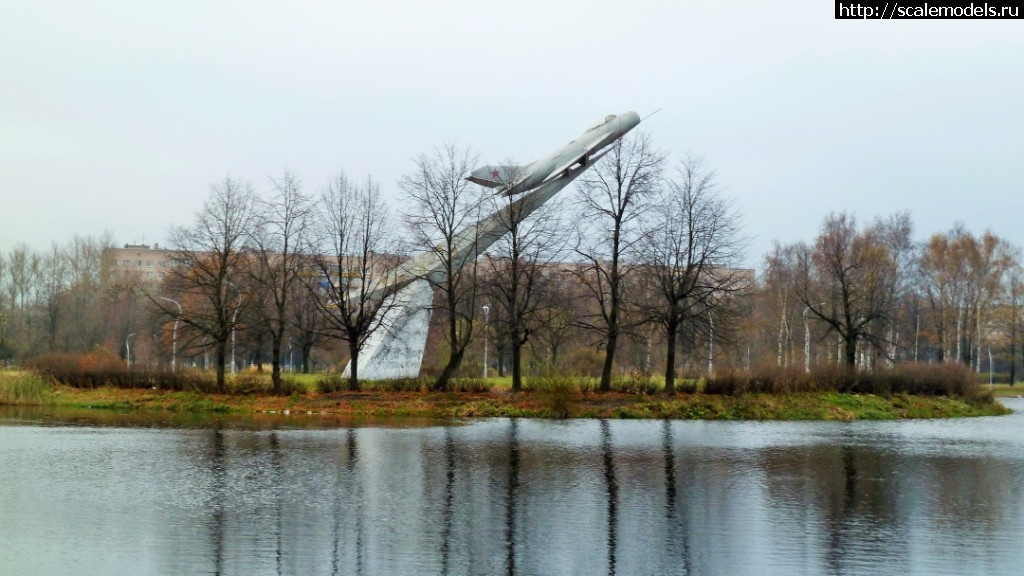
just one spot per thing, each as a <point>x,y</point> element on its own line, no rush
<point>1005,390</point>
<point>553,402</point>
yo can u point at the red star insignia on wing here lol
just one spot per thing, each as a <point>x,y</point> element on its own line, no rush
<point>494,174</point>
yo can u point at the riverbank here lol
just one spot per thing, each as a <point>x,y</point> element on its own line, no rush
<point>501,403</point>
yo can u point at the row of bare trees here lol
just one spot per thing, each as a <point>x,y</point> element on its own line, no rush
<point>54,299</point>
<point>875,296</point>
<point>635,268</point>
<point>630,251</point>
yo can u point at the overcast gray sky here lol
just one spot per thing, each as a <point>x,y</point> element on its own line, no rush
<point>119,115</point>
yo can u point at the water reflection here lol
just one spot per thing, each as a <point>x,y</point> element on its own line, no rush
<point>514,497</point>
<point>613,490</point>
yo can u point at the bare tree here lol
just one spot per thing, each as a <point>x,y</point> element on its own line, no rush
<point>306,321</point>
<point>988,262</point>
<point>895,233</point>
<point>688,254</point>
<point>845,281</point>
<point>443,209</point>
<point>1015,290</point>
<point>5,312</point>
<point>86,308</point>
<point>53,276</point>
<point>23,273</point>
<point>210,262</point>
<point>357,271</point>
<point>613,195</point>
<point>556,327</point>
<point>942,276</point>
<point>277,244</point>
<point>779,277</point>
<point>515,264</point>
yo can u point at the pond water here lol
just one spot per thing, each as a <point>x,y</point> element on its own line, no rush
<point>298,495</point>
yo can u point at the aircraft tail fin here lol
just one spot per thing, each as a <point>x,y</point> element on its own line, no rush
<point>494,176</point>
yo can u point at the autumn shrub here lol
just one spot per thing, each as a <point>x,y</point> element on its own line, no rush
<point>557,392</point>
<point>330,383</point>
<point>636,382</point>
<point>101,368</point>
<point>934,380</point>
<point>289,387</point>
<point>397,384</point>
<point>585,362</point>
<point>686,385</point>
<point>80,370</point>
<point>727,383</point>
<point>470,385</point>
<point>248,383</point>
<point>916,379</point>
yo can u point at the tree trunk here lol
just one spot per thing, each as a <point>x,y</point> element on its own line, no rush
<point>609,359</point>
<point>275,363</point>
<point>517,370</point>
<point>353,366</point>
<point>449,370</point>
<point>456,348</point>
<point>306,350</point>
<point>851,351</point>
<point>221,360</point>
<point>670,357</point>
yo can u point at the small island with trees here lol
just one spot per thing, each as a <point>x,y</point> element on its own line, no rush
<point>624,298</point>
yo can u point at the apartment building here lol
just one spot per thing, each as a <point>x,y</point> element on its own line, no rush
<point>137,264</point>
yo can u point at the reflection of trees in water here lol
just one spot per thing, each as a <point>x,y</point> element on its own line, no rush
<point>612,486</point>
<point>275,468</point>
<point>677,542</point>
<point>513,489</point>
<point>870,502</point>
<point>830,495</point>
<point>449,496</point>
<point>615,498</point>
<point>346,511</point>
<point>217,466</point>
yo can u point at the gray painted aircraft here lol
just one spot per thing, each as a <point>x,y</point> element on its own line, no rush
<point>511,180</point>
<point>396,349</point>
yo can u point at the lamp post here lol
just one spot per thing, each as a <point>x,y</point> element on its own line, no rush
<point>487,312</point>
<point>128,351</point>
<point>174,333</point>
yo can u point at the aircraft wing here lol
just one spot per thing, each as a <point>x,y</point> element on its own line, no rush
<point>582,157</point>
<point>494,176</point>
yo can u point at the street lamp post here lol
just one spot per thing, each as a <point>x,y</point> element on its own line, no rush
<point>487,312</point>
<point>174,333</point>
<point>128,351</point>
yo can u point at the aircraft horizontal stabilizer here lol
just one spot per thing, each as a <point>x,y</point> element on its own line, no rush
<point>494,176</point>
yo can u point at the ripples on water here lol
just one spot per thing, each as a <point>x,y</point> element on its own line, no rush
<point>512,497</point>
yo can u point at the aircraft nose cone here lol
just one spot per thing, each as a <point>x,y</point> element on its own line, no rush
<point>628,121</point>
